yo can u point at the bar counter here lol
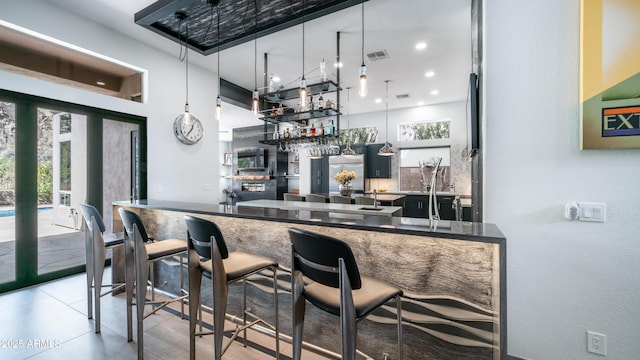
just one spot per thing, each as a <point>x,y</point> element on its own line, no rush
<point>453,274</point>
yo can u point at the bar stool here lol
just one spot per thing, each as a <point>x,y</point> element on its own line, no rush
<point>292,197</point>
<point>140,255</point>
<point>365,200</point>
<point>328,264</point>
<point>208,256</point>
<point>315,198</point>
<point>96,245</point>
<point>339,199</point>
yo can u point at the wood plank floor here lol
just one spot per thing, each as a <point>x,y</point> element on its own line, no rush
<point>49,321</point>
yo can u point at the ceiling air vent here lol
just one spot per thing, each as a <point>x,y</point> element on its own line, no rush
<point>378,55</point>
<point>402,96</point>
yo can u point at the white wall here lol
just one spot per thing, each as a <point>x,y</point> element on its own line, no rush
<point>175,171</point>
<point>564,278</point>
<point>454,111</point>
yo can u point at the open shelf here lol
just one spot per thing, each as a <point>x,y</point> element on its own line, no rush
<point>293,93</point>
<point>299,116</point>
<point>298,139</point>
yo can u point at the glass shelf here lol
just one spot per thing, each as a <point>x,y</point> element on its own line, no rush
<point>306,139</point>
<point>299,116</point>
<point>293,93</point>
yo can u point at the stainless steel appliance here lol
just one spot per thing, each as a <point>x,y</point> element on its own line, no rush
<point>352,163</point>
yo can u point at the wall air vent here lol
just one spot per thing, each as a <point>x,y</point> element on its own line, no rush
<point>378,55</point>
<point>402,96</point>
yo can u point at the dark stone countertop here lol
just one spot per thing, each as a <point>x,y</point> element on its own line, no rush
<point>459,230</point>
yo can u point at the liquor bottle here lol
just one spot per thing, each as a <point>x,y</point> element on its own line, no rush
<point>312,131</point>
<point>273,111</point>
<point>303,130</point>
<point>320,102</point>
<point>287,134</point>
<point>320,130</point>
<point>329,104</point>
<point>276,133</point>
<point>296,131</point>
<point>280,110</point>
<point>311,103</point>
<point>329,128</point>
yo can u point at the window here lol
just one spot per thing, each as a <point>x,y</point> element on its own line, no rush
<point>416,169</point>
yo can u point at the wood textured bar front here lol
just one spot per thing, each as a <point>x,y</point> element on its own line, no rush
<point>453,275</point>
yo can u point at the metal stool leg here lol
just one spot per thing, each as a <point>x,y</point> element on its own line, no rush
<point>98,271</point>
<point>399,316</point>
<point>88,238</point>
<point>195,281</point>
<point>275,304</point>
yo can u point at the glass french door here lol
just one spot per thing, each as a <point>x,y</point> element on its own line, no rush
<point>54,156</point>
<point>62,187</point>
<point>7,191</point>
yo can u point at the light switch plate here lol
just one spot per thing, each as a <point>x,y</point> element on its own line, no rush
<point>594,212</point>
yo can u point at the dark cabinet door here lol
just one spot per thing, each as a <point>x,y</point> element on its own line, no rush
<point>445,207</point>
<point>378,167</point>
<point>416,206</point>
<point>320,175</point>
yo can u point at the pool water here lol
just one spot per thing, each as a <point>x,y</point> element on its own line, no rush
<point>12,212</point>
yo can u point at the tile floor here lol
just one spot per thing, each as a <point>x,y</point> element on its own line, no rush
<point>49,321</point>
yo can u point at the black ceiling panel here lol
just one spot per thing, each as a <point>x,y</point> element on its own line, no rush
<point>238,22</point>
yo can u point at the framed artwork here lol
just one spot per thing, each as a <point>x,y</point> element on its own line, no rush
<point>610,74</point>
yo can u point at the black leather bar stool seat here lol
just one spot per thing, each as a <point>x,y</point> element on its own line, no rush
<point>140,255</point>
<point>209,257</point>
<point>96,245</point>
<point>325,273</point>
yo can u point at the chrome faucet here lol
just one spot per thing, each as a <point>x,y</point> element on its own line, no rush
<point>375,198</point>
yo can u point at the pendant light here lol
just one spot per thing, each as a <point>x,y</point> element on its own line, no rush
<point>387,149</point>
<point>362,85</point>
<point>218,99</point>
<point>348,151</point>
<point>185,118</point>
<point>255,105</point>
<point>303,81</point>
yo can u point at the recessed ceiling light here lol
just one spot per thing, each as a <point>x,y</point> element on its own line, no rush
<point>337,64</point>
<point>435,92</point>
<point>421,46</point>
<point>101,83</point>
<point>378,100</point>
<point>420,103</point>
<point>429,73</point>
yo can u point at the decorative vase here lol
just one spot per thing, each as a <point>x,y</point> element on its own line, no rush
<point>346,189</point>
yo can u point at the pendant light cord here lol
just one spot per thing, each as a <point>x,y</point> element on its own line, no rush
<point>218,46</point>
<point>304,10</point>
<point>386,112</point>
<point>186,54</point>
<point>183,19</point>
<point>255,47</point>
<point>348,116</point>
<point>363,33</point>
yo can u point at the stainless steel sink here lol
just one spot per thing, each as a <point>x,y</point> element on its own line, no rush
<point>370,208</point>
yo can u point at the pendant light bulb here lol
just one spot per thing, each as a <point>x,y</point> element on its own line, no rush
<point>218,108</point>
<point>303,92</point>
<point>362,85</point>
<point>254,102</point>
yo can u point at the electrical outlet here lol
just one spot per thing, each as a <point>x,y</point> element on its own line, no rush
<point>596,343</point>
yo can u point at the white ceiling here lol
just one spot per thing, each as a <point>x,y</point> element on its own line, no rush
<point>392,25</point>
